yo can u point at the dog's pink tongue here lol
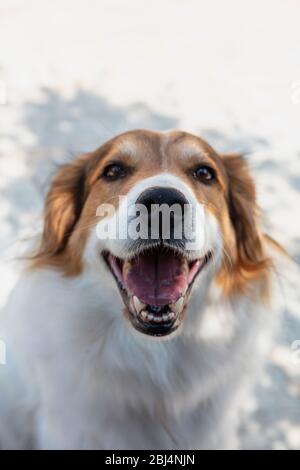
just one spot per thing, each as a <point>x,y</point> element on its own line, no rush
<point>156,279</point>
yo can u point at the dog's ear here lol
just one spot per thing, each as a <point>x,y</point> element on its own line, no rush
<point>63,206</point>
<point>243,212</point>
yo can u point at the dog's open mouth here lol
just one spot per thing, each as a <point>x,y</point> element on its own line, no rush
<point>155,287</point>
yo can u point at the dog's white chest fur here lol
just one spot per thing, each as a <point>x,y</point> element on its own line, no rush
<point>86,379</point>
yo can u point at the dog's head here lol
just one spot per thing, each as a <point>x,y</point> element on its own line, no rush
<point>160,216</point>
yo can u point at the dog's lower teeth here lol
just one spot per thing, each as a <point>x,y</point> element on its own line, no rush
<point>157,319</point>
<point>149,317</point>
<point>138,305</point>
<point>144,315</point>
<point>177,306</point>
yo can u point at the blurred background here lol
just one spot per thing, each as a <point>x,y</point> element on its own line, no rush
<point>75,73</point>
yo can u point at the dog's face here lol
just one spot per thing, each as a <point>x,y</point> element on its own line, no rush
<point>160,214</point>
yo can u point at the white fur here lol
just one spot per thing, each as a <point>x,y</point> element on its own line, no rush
<point>80,377</point>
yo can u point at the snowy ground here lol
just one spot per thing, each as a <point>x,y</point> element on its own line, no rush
<point>74,73</point>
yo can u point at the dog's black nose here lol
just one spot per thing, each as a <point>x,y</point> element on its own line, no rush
<point>159,196</point>
<point>164,224</point>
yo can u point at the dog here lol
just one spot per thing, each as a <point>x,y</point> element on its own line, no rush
<point>135,342</point>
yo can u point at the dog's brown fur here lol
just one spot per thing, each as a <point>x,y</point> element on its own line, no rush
<point>77,190</point>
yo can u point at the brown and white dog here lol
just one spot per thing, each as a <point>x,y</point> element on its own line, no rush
<point>131,342</point>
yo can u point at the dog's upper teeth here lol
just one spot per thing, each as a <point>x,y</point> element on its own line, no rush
<point>138,305</point>
<point>177,306</point>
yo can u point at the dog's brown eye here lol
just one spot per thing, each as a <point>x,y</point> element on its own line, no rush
<point>114,171</point>
<point>205,174</point>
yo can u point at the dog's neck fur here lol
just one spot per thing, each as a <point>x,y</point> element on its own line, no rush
<point>87,359</point>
